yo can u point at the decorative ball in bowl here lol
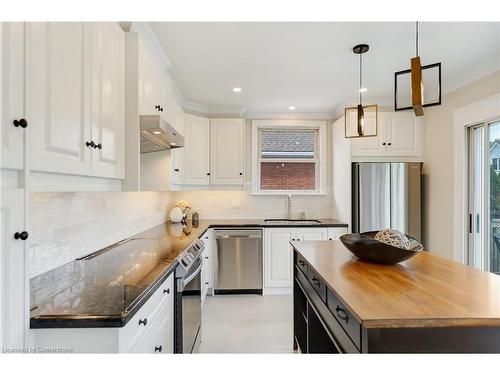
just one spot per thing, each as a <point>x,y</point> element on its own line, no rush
<point>383,247</point>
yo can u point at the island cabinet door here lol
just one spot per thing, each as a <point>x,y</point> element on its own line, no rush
<point>278,258</point>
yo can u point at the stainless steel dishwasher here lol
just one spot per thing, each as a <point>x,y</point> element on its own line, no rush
<point>238,261</point>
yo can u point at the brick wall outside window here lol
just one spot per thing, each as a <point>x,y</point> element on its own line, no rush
<point>287,176</point>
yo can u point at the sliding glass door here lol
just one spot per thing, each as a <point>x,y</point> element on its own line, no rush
<point>484,196</point>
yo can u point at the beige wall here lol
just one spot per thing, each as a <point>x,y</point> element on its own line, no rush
<point>438,165</point>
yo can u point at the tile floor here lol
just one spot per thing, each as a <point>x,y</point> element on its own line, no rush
<point>247,324</point>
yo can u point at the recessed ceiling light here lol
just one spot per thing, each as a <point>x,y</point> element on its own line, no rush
<point>291,108</point>
<point>237,89</point>
<point>156,132</point>
<point>363,89</point>
<point>173,144</point>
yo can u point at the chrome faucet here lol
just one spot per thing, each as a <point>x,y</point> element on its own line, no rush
<point>289,203</point>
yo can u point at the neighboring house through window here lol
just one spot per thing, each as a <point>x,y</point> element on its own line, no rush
<point>288,157</point>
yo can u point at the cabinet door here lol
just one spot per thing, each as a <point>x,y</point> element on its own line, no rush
<point>12,97</point>
<point>196,151</point>
<point>403,134</point>
<point>108,117</point>
<point>311,234</point>
<point>370,146</point>
<point>177,154</point>
<point>278,258</point>
<point>12,262</point>
<point>147,82</point>
<point>58,96</point>
<point>164,95</point>
<point>335,233</point>
<point>227,151</point>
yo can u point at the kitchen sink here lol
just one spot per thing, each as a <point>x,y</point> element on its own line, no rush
<point>291,221</point>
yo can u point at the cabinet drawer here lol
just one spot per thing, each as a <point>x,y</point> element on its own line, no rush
<point>137,326</point>
<point>317,284</point>
<point>345,318</point>
<point>301,263</point>
<point>158,337</point>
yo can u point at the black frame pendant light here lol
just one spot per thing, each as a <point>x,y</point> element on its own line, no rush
<point>357,118</point>
<point>413,80</point>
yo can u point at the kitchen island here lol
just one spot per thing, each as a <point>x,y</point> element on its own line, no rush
<point>426,304</point>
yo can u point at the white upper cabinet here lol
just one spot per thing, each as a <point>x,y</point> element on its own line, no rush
<point>227,151</point>
<point>403,134</point>
<point>12,97</point>
<point>154,87</point>
<point>197,150</point>
<point>58,68</point>
<point>108,116</point>
<point>75,98</point>
<point>400,134</point>
<point>177,154</point>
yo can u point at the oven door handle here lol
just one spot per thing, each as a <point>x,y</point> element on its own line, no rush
<point>186,280</point>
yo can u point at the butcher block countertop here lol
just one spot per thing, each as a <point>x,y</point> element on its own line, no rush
<point>425,291</point>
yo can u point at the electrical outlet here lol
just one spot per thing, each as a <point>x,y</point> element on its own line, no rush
<point>235,203</point>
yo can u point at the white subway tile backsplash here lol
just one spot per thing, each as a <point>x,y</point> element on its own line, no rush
<point>66,226</point>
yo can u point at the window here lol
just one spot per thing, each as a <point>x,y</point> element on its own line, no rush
<point>288,157</point>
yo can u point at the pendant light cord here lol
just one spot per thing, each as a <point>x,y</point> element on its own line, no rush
<point>416,38</point>
<point>360,78</point>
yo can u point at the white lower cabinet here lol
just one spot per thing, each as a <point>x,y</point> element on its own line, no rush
<point>334,233</point>
<point>206,270</point>
<point>150,330</point>
<point>278,254</point>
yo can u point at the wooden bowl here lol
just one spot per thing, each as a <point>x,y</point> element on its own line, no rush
<point>366,248</point>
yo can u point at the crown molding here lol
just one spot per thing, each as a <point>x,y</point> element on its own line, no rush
<point>149,38</point>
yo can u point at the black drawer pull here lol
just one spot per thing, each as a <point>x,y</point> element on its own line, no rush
<point>342,314</point>
<point>206,257</point>
<point>315,281</point>
<point>143,321</point>
<point>206,282</point>
<point>166,291</point>
<point>176,170</point>
<point>158,349</point>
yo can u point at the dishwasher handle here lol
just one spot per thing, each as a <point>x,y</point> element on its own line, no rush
<point>230,234</point>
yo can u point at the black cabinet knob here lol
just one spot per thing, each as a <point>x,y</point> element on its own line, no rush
<point>99,146</point>
<point>206,283</point>
<point>21,236</point>
<point>20,123</point>
<point>241,173</point>
<point>90,144</point>
<point>161,109</point>
<point>383,144</point>
<point>158,349</point>
<point>176,170</point>
<point>157,107</point>
<point>143,321</point>
<point>206,257</point>
<point>166,291</point>
<point>330,239</point>
<point>389,144</point>
<point>208,174</point>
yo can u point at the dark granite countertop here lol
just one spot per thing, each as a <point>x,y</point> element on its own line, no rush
<point>106,288</point>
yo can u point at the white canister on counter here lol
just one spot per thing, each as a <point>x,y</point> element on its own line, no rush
<point>176,215</point>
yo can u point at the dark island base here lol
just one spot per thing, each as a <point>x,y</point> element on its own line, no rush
<point>319,330</point>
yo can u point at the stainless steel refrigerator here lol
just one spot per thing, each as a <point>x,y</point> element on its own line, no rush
<point>386,195</point>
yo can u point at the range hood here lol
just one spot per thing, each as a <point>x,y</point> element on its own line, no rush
<point>157,134</point>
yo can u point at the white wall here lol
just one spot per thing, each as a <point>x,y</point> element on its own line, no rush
<point>438,165</point>
<point>66,226</point>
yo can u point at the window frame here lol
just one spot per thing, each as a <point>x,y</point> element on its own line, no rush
<point>320,160</point>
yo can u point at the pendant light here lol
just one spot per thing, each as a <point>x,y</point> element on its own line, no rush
<point>414,78</point>
<point>361,121</point>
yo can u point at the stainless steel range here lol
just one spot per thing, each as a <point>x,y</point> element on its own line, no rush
<point>188,299</point>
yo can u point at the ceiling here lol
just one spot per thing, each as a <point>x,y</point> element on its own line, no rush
<point>311,65</point>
